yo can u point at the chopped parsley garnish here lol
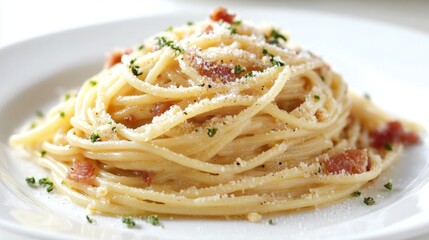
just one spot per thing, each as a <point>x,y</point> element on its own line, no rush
<point>39,113</point>
<point>62,114</point>
<point>190,23</point>
<point>323,78</point>
<point>275,62</point>
<point>275,36</point>
<point>367,96</point>
<point>356,194</point>
<point>162,42</point>
<point>140,47</point>
<point>135,70</point>
<point>369,201</point>
<point>388,146</point>
<point>236,23</point>
<point>67,96</point>
<point>33,125</point>
<point>316,97</point>
<point>169,29</point>
<point>113,129</point>
<point>45,182</point>
<point>233,30</point>
<point>271,222</point>
<point>90,220</point>
<point>42,153</point>
<point>30,180</point>
<point>239,69</point>
<point>94,137</point>
<point>211,131</point>
<point>249,74</point>
<point>93,82</point>
<point>129,222</point>
<point>152,219</point>
<point>388,186</point>
<point>264,51</point>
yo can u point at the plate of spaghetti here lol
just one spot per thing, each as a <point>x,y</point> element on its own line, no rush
<point>221,121</point>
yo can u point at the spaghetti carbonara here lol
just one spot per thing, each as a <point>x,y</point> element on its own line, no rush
<point>214,118</point>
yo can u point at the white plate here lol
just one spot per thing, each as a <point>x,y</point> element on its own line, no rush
<point>387,62</point>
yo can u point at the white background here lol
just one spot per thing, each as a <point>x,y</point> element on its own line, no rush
<point>24,19</point>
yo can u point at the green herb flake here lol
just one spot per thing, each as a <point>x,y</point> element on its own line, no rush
<point>356,194</point>
<point>33,125</point>
<point>94,137</point>
<point>90,220</point>
<point>39,114</point>
<point>388,186</point>
<point>42,153</point>
<point>271,222</point>
<point>367,96</point>
<point>190,23</point>
<point>92,82</point>
<point>275,62</point>
<point>152,219</point>
<point>249,74</point>
<point>45,182</point>
<point>169,29</point>
<point>162,42</point>
<point>323,78</point>
<point>211,131</point>
<point>264,51</point>
<point>129,222</point>
<point>30,180</point>
<point>233,30</point>
<point>369,201</point>
<point>316,97</point>
<point>141,47</point>
<point>67,96</point>
<point>62,114</point>
<point>239,69</point>
<point>236,23</point>
<point>113,129</point>
<point>135,70</point>
<point>388,146</point>
<point>275,36</point>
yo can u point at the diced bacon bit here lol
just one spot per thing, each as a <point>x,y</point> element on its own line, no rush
<point>160,108</point>
<point>129,119</point>
<point>208,29</point>
<point>221,13</point>
<point>218,72</point>
<point>391,133</point>
<point>147,175</point>
<point>320,115</point>
<point>82,171</point>
<point>115,57</point>
<point>352,161</point>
